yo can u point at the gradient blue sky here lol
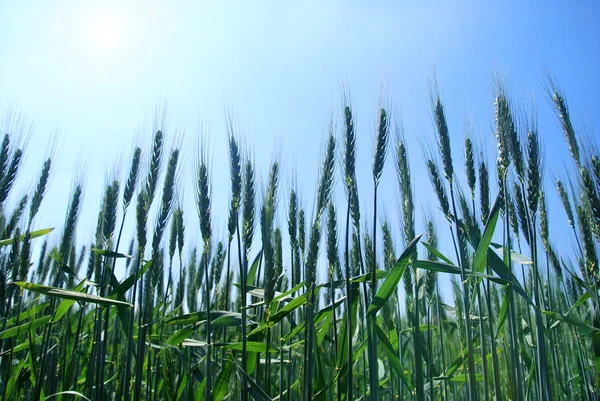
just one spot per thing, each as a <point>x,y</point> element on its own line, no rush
<point>94,73</point>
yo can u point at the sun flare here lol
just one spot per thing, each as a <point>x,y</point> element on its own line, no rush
<point>106,33</point>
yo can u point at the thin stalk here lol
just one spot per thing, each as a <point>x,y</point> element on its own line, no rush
<point>349,375</point>
<point>466,302</point>
<point>515,373</point>
<point>373,364</point>
<point>243,279</point>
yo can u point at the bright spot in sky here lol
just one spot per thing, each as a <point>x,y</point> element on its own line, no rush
<point>106,34</point>
<point>100,40</point>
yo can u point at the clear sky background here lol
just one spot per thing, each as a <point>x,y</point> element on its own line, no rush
<point>93,74</point>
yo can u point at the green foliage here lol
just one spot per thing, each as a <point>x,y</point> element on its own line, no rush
<point>268,317</point>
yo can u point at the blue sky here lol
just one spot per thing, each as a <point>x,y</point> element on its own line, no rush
<point>94,74</point>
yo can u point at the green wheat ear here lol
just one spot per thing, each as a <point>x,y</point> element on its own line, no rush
<point>166,204</point>
<point>8,179</point>
<point>332,240</point>
<point>522,212</point>
<point>349,148</point>
<point>431,276</point>
<point>534,176</point>
<point>438,186</point>
<point>217,264</point>
<point>591,193</point>
<point>596,168</point>
<point>590,270</point>
<point>406,195</point>
<point>70,222</point>
<point>248,205</point>
<point>141,218</point>
<point>544,229</point>
<point>565,121</point>
<point>564,198</point>
<point>301,231</point>
<point>111,200</point>
<point>154,168</point>
<point>484,191</point>
<point>327,177</point>
<point>203,202</point>
<point>513,217</point>
<point>503,122</point>
<point>235,166</point>
<point>132,178</point>
<point>443,139</point>
<point>40,190</point>
<point>9,227</point>
<point>173,238</point>
<point>470,166</point>
<point>4,154</point>
<point>380,146</point>
<point>178,217</point>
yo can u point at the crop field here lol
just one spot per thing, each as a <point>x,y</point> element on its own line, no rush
<point>294,300</point>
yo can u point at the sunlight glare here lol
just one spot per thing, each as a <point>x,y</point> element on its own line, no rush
<point>106,34</point>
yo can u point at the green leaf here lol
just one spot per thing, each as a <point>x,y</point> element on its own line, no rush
<point>390,353</point>
<point>283,312</point>
<point>278,296</point>
<point>64,268</point>
<point>218,318</point>
<point>181,335</point>
<point>251,346</point>
<point>442,267</point>
<point>379,275</point>
<point>68,294</point>
<point>62,309</point>
<point>319,317</point>
<point>439,267</point>
<point>23,328</point>
<point>503,313</point>
<point>126,284</point>
<point>220,388</point>
<point>390,284</point>
<point>254,269</point>
<point>343,371</point>
<point>465,378</point>
<point>500,268</point>
<point>73,393</point>
<point>23,346</point>
<point>33,234</point>
<point>482,249</point>
<point>572,321</point>
<point>188,342</point>
<point>324,330</point>
<point>436,253</point>
<point>515,257</point>
<point>110,254</point>
<point>457,363</point>
<point>256,391</point>
<point>582,299</point>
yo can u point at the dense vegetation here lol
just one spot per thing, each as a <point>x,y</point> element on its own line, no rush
<point>524,322</point>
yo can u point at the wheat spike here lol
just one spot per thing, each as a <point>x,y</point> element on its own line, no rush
<point>380,146</point>
<point>132,178</point>
<point>564,198</point>
<point>534,178</point>
<point>470,166</point>
<point>443,139</point>
<point>40,190</point>
<point>438,185</point>
<point>248,205</point>
<point>567,128</point>
<point>484,191</point>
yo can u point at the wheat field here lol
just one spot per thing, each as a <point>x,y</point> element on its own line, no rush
<point>246,315</point>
